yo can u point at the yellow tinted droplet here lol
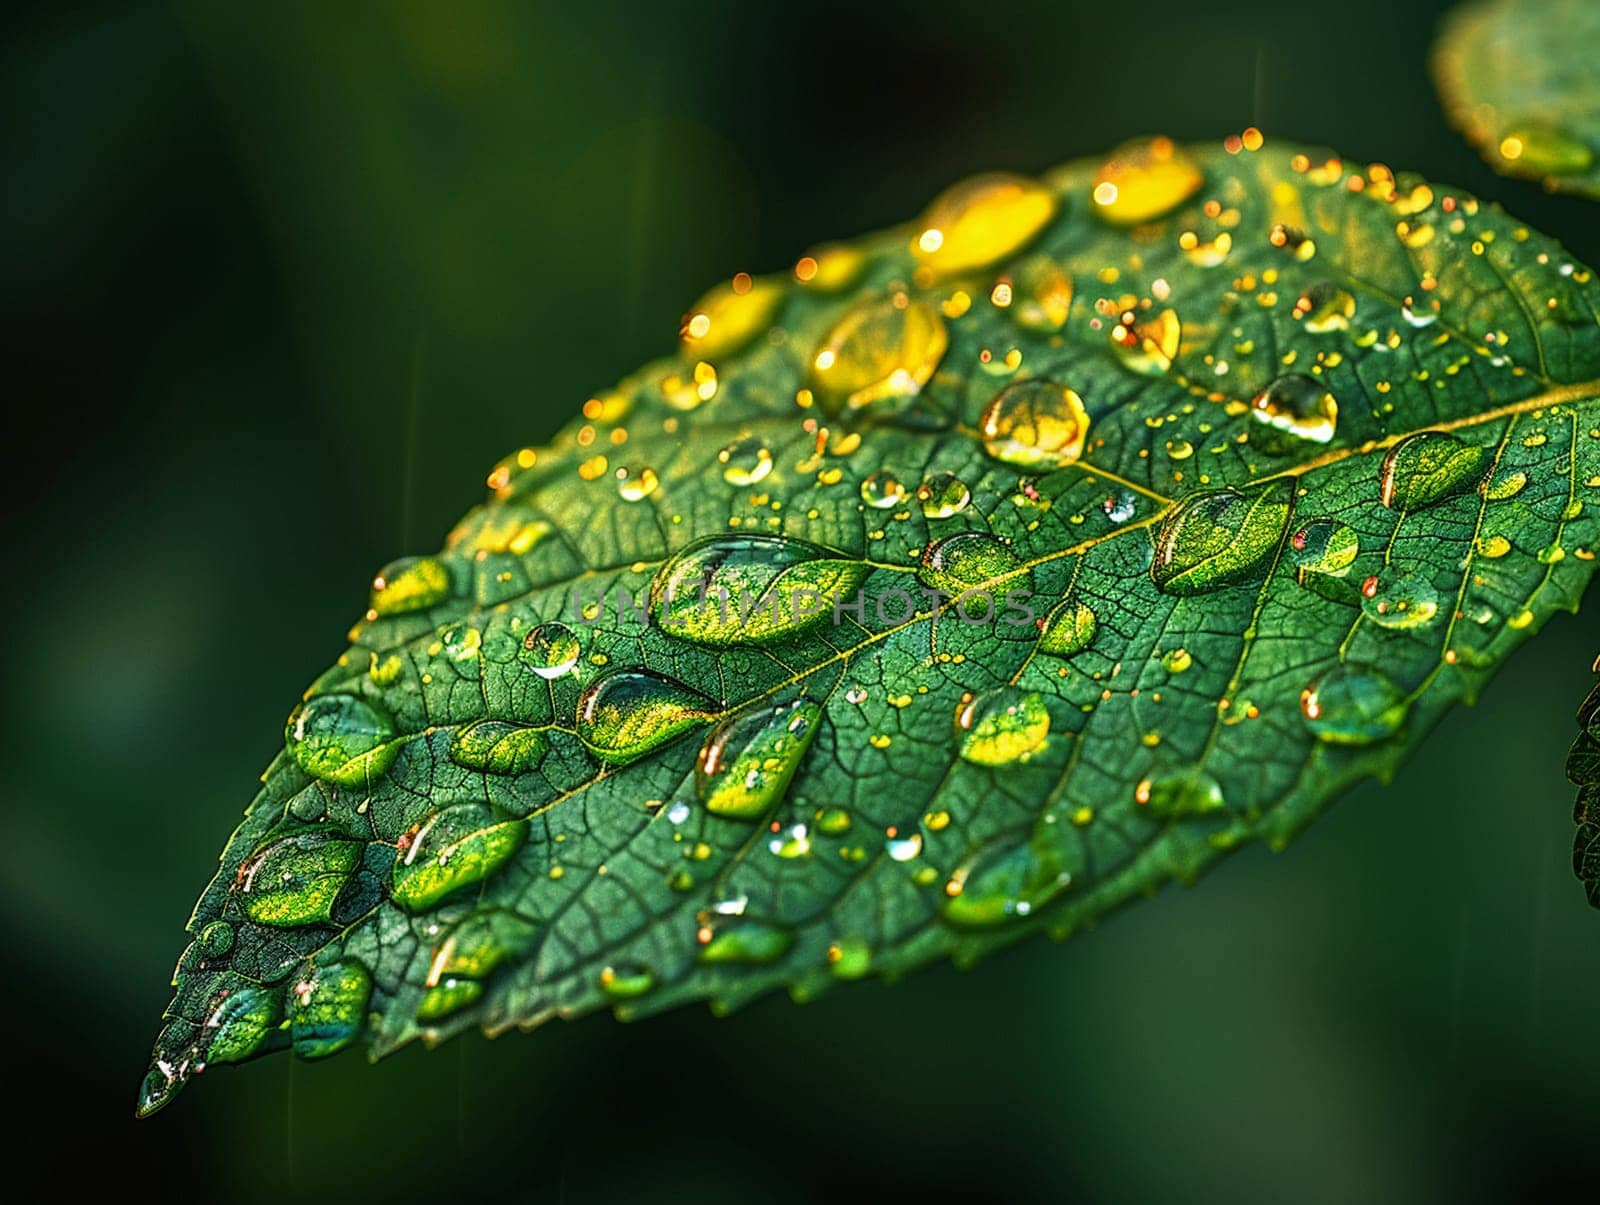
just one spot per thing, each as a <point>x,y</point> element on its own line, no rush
<point>1002,726</point>
<point>638,486</point>
<point>728,317</point>
<point>830,267</point>
<point>1297,405</point>
<point>1143,180</point>
<point>1205,254</point>
<point>879,353</point>
<point>1043,295</point>
<point>1546,149</point>
<point>413,584</point>
<point>1493,547</point>
<point>1325,307</point>
<point>1147,347</point>
<point>980,221</point>
<point>1035,422</point>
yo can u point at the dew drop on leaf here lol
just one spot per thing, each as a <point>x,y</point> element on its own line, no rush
<point>749,943</point>
<point>626,714</point>
<point>981,220</point>
<point>882,491</point>
<point>1002,884</point>
<point>328,1008</point>
<point>457,846</point>
<point>1299,406</point>
<point>411,584</point>
<point>1325,307</point>
<point>943,495</point>
<point>1427,468</point>
<point>1401,601</point>
<point>550,650</point>
<point>625,981</point>
<point>497,747</point>
<point>1002,726</point>
<point>745,462</point>
<point>748,760</point>
<point>1035,422</point>
<point>1545,149</point>
<point>1144,180</point>
<point>295,880</point>
<point>968,560</point>
<point>341,738</point>
<point>1179,793</point>
<point>1353,706</point>
<point>1068,629</point>
<point>449,995</point>
<point>1043,295</point>
<point>879,354</point>
<point>1218,537</point>
<point>730,316</point>
<point>1147,346</point>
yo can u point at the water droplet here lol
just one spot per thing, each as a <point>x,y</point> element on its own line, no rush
<point>1068,629</point>
<point>1147,347</point>
<point>879,354</point>
<point>943,495</point>
<point>1035,422</point>
<point>1043,295</point>
<point>981,220</point>
<point>242,1017</point>
<point>410,584</point>
<point>497,747</point>
<point>1298,406</point>
<point>626,981</point>
<point>1545,149</point>
<point>1218,537</point>
<point>459,845</point>
<point>1179,793</point>
<point>745,462</point>
<point>1002,884</point>
<point>448,996</point>
<point>968,560</point>
<point>1352,706</point>
<point>626,714</point>
<point>1325,307</point>
<point>749,759</point>
<point>1119,507</point>
<point>1144,180</point>
<point>831,267</point>
<point>903,847</point>
<point>1296,242</point>
<point>1207,254</point>
<point>1177,661</point>
<point>792,842</point>
<point>481,944</point>
<point>850,958</point>
<point>341,739</point>
<point>750,589</point>
<point>328,1009</point>
<point>296,879</point>
<point>748,943</point>
<point>1405,600</point>
<point>1493,547</point>
<point>1002,726</point>
<point>729,317</point>
<point>1415,316</point>
<point>550,650</point>
<point>833,822</point>
<point>1429,467</point>
<point>1323,546</point>
<point>882,491</point>
<point>1505,484</point>
<point>216,939</point>
<point>636,487</point>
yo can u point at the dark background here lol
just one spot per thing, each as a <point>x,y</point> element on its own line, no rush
<point>282,281</point>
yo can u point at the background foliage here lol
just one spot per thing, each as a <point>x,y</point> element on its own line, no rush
<point>286,285</point>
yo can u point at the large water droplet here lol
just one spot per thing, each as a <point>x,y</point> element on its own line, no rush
<point>342,739</point>
<point>1429,467</point>
<point>1538,146</point>
<point>879,354</point>
<point>942,495</point>
<point>1068,629</point>
<point>480,945</point>
<point>750,589</point>
<point>1002,884</point>
<point>1002,726</point>
<point>1035,422</point>
<point>1147,346</point>
<point>730,316</point>
<point>981,220</point>
<point>328,1009</point>
<point>1401,601</point>
<point>497,747</point>
<point>1043,295</point>
<point>295,880</point>
<point>410,584</point>
<point>243,1015</point>
<point>550,650</point>
<point>457,846</point>
<point>625,714</point>
<point>1299,406</point>
<point>1144,180</point>
<point>745,461</point>
<point>747,943</point>
<point>1218,537</point>
<point>1353,706</point>
<point>1179,793</point>
<point>969,560</point>
<point>749,759</point>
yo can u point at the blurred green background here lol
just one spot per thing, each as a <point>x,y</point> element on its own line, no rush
<point>283,281</point>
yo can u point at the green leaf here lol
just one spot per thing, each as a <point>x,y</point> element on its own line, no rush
<point>1518,78</point>
<point>1583,768</point>
<point>1233,468</point>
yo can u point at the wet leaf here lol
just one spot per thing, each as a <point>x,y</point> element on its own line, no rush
<point>1583,768</point>
<point>1518,78</point>
<point>997,571</point>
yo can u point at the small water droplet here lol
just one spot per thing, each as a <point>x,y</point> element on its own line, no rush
<point>1298,406</point>
<point>1147,347</point>
<point>1043,295</point>
<point>1002,884</point>
<point>745,462</point>
<point>730,316</point>
<point>747,943</point>
<point>1068,629</point>
<point>295,880</point>
<point>1401,601</point>
<point>625,981</point>
<point>1177,661</point>
<point>328,1009</point>
<point>626,714</point>
<point>636,487</point>
<point>1325,307</point>
<point>1544,149</point>
<point>497,747</point>
<point>1179,793</point>
<point>903,847</point>
<point>968,560</point>
<point>550,650</point>
<point>943,495</point>
<point>882,491</point>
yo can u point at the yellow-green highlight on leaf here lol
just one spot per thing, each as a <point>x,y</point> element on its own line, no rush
<point>1264,462</point>
<point>1518,78</point>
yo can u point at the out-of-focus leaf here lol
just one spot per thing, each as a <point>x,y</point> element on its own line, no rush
<point>1242,463</point>
<point>1519,79</point>
<point>1583,768</point>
